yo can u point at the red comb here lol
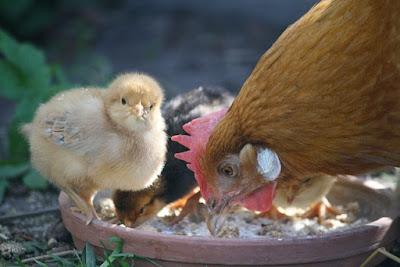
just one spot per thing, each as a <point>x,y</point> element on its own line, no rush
<point>199,131</point>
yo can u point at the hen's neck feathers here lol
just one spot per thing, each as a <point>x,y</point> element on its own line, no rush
<point>325,95</point>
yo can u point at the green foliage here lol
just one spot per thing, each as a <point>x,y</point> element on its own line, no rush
<point>88,258</point>
<point>34,180</point>
<point>32,246</point>
<point>29,18</point>
<point>9,172</point>
<point>27,80</point>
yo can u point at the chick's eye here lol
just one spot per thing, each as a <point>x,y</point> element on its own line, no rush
<point>123,101</point>
<point>306,181</point>
<point>151,106</point>
<point>141,210</point>
<point>228,169</point>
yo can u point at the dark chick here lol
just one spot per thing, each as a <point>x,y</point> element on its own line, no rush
<point>176,181</point>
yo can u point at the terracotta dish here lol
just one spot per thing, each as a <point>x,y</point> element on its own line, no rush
<point>345,248</point>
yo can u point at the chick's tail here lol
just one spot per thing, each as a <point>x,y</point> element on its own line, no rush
<point>25,129</point>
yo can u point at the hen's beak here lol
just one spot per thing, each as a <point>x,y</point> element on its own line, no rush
<point>217,214</point>
<point>138,110</point>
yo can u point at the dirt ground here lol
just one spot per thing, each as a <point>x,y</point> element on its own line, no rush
<point>183,44</point>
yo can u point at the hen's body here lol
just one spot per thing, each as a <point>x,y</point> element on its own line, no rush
<point>325,96</point>
<point>322,100</point>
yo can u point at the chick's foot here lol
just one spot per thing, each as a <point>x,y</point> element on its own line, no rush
<point>192,207</point>
<point>321,209</point>
<point>84,205</point>
<point>273,213</point>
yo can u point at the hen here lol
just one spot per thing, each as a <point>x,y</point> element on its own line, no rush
<point>85,140</point>
<point>322,100</point>
<point>176,181</point>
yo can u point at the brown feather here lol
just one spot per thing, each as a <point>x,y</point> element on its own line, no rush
<point>325,96</point>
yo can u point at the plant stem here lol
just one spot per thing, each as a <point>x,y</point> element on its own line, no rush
<point>44,257</point>
<point>28,214</point>
<point>384,252</point>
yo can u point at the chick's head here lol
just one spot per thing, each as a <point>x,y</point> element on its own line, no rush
<point>133,101</point>
<point>310,191</point>
<point>135,207</point>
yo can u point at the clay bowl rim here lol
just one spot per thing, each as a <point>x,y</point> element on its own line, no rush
<point>378,229</point>
<point>381,222</point>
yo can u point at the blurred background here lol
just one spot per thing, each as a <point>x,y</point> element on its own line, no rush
<point>52,45</point>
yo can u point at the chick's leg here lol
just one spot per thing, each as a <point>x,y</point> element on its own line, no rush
<point>273,213</point>
<point>321,209</point>
<point>191,207</point>
<point>83,201</point>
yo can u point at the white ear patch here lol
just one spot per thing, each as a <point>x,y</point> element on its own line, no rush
<point>269,164</point>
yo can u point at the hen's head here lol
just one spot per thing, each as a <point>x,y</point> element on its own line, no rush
<point>227,179</point>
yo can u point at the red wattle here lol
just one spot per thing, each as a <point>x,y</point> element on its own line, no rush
<point>260,200</point>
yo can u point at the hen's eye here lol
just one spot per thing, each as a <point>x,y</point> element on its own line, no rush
<point>307,180</point>
<point>228,169</point>
<point>123,101</point>
<point>141,210</point>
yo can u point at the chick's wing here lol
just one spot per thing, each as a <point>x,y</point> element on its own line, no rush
<point>64,132</point>
<point>74,120</point>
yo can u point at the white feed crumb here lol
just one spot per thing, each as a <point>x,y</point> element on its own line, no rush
<point>242,224</point>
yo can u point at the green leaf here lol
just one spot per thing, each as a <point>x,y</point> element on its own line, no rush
<point>41,263</point>
<point>28,64</point>
<point>10,84</point>
<point>19,147</point>
<point>148,260</point>
<point>79,258</point>
<point>8,263</point>
<point>3,186</point>
<point>32,246</point>
<point>11,171</point>
<point>107,251</point>
<point>24,112</point>
<point>14,12</point>
<point>34,180</point>
<point>116,251</point>
<point>88,256</point>
<point>61,261</point>
<point>59,75</point>
<point>20,263</point>
<point>119,242</point>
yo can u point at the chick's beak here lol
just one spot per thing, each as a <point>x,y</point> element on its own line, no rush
<point>290,195</point>
<point>128,223</point>
<point>138,110</point>
<point>217,214</point>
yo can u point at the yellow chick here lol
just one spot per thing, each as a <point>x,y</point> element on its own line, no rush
<point>310,191</point>
<point>86,140</point>
<point>309,195</point>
